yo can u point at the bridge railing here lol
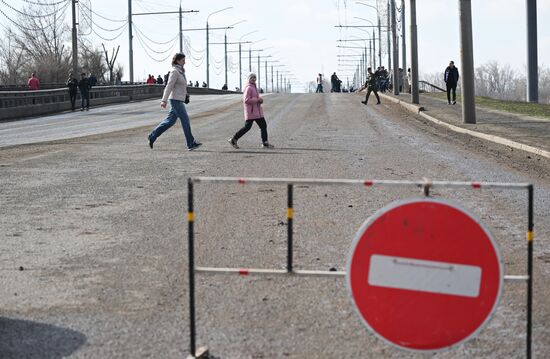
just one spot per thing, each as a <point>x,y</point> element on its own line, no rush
<point>425,86</point>
<point>19,104</point>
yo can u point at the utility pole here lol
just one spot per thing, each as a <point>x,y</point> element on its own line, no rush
<point>415,97</point>
<point>130,38</point>
<point>403,37</point>
<point>395,76</point>
<point>467,59</point>
<point>388,11</point>
<point>532,63</point>
<point>75,42</point>
<point>225,57</point>
<point>181,32</point>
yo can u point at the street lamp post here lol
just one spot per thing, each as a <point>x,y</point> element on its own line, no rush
<point>225,46</point>
<point>373,40</point>
<point>130,36</point>
<point>379,30</point>
<point>240,59</point>
<point>207,43</point>
<point>415,95</point>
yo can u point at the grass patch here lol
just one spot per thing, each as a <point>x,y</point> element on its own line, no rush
<point>522,108</point>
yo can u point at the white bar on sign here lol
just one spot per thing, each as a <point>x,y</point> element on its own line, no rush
<point>424,276</point>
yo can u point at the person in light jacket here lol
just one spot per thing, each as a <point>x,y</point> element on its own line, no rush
<point>252,103</point>
<point>176,92</point>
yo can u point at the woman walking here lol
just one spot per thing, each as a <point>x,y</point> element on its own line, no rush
<point>253,112</point>
<point>176,91</point>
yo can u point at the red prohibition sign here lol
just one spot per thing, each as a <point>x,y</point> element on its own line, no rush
<point>424,274</point>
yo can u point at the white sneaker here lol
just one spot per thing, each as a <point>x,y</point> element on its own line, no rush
<point>267,145</point>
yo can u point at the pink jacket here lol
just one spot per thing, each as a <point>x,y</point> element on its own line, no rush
<point>33,83</point>
<point>252,108</point>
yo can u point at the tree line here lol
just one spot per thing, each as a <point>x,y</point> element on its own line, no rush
<point>40,40</point>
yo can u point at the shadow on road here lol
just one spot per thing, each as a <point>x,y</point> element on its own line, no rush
<point>277,150</point>
<point>28,339</point>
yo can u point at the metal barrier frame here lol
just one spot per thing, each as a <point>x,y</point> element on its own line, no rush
<point>426,185</point>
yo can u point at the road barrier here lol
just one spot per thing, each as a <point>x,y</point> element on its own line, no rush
<point>382,261</point>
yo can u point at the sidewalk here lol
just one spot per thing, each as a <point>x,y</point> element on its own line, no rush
<point>529,134</point>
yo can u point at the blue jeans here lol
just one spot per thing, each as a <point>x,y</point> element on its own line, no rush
<point>177,110</point>
<point>85,102</point>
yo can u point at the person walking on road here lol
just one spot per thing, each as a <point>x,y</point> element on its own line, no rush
<point>84,87</point>
<point>72,85</point>
<point>371,86</point>
<point>319,88</point>
<point>176,92</point>
<point>451,80</point>
<point>252,103</point>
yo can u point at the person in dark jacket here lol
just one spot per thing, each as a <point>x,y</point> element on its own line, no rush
<point>84,87</point>
<point>371,86</point>
<point>451,80</point>
<point>92,80</point>
<point>72,85</point>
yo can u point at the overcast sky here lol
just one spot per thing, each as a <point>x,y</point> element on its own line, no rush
<point>302,35</point>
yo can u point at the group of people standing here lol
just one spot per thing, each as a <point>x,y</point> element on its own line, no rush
<point>84,85</point>
<point>175,92</point>
<point>151,80</point>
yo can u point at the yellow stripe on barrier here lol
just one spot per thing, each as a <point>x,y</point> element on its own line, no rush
<point>190,216</point>
<point>530,236</point>
<point>289,213</point>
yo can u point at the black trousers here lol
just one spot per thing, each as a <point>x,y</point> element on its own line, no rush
<point>72,95</point>
<point>85,99</point>
<point>248,125</point>
<point>369,90</point>
<point>451,87</point>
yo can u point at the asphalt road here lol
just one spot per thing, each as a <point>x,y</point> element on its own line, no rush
<point>93,246</point>
<point>103,119</point>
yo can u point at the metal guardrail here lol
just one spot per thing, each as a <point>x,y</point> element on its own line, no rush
<point>425,86</point>
<point>18,104</point>
<point>10,99</point>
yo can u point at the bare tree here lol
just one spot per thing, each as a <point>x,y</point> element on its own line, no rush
<point>496,81</point>
<point>92,60</point>
<point>42,37</point>
<point>544,85</point>
<point>11,60</point>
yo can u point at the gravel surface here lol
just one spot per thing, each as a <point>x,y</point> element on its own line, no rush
<point>93,246</point>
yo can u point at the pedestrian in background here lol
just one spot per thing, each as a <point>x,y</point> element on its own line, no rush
<point>72,85</point>
<point>176,92</point>
<point>319,84</point>
<point>160,81</point>
<point>84,87</point>
<point>451,80</point>
<point>371,86</point>
<point>92,81</point>
<point>33,82</point>
<point>252,103</point>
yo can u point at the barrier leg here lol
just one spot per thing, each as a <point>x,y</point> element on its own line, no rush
<point>530,237</point>
<point>202,352</point>
<point>290,215</point>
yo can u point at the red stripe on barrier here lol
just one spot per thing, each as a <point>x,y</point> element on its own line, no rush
<point>368,183</point>
<point>243,272</point>
<point>476,185</point>
<point>242,181</point>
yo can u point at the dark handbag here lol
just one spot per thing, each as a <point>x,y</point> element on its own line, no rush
<point>186,99</point>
